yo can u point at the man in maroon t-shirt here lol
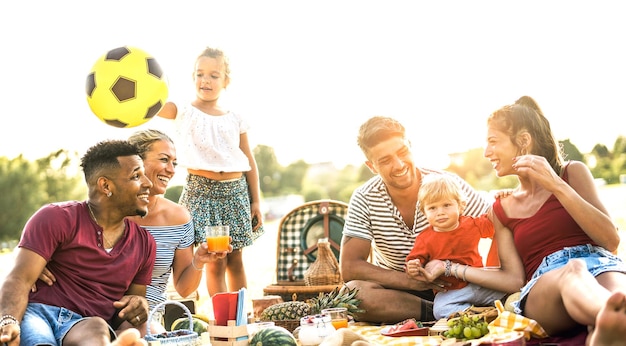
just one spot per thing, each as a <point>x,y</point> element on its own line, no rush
<point>102,261</point>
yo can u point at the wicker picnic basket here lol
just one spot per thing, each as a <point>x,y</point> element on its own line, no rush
<point>298,234</point>
<point>290,325</point>
<point>325,269</point>
<point>176,337</point>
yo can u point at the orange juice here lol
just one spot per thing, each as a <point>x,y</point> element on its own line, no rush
<point>218,244</point>
<point>339,323</point>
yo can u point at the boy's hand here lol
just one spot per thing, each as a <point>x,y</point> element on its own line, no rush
<point>414,268</point>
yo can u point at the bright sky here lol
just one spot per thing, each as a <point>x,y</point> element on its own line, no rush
<point>306,74</point>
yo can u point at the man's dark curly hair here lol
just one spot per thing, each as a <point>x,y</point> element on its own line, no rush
<point>103,156</point>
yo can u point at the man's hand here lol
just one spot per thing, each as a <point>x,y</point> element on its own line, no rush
<point>433,270</point>
<point>421,283</point>
<point>10,335</point>
<point>427,277</point>
<point>502,193</point>
<point>134,309</point>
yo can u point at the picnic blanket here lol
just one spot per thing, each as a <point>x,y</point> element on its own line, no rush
<point>372,335</point>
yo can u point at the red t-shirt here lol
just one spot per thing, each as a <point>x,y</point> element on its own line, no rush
<point>459,245</point>
<point>551,229</point>
<point>89,279</point>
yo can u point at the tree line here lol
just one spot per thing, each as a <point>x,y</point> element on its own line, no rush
<point>28,185</point>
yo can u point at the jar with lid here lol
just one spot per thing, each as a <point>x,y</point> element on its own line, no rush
<point>314,329</point>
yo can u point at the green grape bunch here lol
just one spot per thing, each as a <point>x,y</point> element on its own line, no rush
<point>467,327</point>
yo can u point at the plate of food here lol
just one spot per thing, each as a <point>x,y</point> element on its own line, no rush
<point>408,327</point>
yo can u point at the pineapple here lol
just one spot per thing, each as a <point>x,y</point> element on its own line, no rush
<point>294,310</point>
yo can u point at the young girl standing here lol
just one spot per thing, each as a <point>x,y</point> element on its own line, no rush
<point>222,184</point>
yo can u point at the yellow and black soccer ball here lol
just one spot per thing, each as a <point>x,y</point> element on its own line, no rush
<point>126,87</point>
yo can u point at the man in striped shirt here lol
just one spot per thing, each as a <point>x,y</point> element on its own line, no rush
<point>383,220</point>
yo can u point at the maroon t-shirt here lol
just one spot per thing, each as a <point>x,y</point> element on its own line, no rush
<point>89,279</point>
<point>551,229</point>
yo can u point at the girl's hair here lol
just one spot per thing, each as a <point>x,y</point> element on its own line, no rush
<point>217,54</point>
<point>376,130</point>
<point>143,140</point>
<point>526,116</point>
<point>437,187</point>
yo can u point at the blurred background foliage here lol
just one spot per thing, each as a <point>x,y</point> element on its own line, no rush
<point>26,185</point>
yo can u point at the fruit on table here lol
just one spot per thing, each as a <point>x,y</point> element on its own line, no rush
<point>202,317</point>
<point>273,336</point>
<point>466,327</point>
<point>199,326</point>
<point>294,310</point>
<point>286,311</point>
<point>408,324</point>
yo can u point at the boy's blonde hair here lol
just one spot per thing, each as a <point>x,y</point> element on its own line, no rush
<point>436,187</point>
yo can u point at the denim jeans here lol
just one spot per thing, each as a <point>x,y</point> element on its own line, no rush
<point>47,325</point>
<point>598,260</point>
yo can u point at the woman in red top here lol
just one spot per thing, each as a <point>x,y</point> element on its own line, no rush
<point>560,229</point>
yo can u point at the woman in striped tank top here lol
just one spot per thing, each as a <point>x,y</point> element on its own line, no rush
<point>170,224</point>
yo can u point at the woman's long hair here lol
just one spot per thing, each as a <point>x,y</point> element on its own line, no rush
<point>526,116</point>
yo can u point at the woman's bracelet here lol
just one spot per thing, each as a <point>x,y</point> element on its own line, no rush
<point>8,319</point>
<point>193,264</point>
<point>464,270</point>
<point>456,271</point>
<point>448,268</point>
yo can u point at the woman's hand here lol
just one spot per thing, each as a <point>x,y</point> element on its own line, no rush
<point>203,255</point>
<point>47,277</point>
<point>538,169</point>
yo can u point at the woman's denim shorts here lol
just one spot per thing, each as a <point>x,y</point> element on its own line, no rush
<point>598,260</point>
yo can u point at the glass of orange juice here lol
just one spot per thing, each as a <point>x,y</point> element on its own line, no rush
<point>338,317</point>
<point>217,238</point>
